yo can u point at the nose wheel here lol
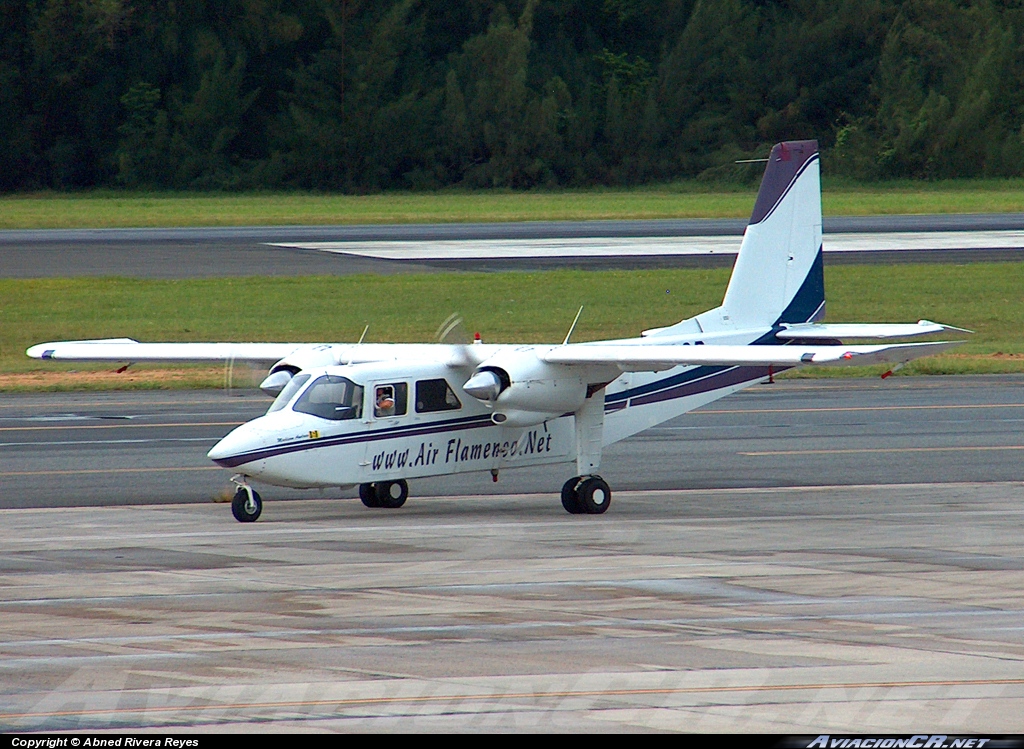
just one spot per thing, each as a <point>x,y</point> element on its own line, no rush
<point>586,495</point>
<point>246,505</point>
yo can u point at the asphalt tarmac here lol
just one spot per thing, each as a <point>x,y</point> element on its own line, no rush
<point>804,557</point>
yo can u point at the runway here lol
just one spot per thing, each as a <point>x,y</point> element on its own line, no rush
<point>803,557</point>
<point>343,250</point>
<point>858,246</point>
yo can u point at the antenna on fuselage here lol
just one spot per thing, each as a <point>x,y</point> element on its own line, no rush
<point>351,350</point>
<point>573,326</point>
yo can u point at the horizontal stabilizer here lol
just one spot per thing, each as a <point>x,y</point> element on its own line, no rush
<point>817,331</point>
<point>656,358</point>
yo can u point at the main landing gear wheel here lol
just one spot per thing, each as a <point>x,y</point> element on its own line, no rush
<point>569,500</point>
<point>246,505</point>
<point>388,494</point>
<point>392,494</point>
<point>368,495</point>
<point>588,495</point>
<point>594,495</point>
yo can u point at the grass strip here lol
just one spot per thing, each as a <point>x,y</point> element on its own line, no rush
<point>504,307</point>
<point>692,199</point>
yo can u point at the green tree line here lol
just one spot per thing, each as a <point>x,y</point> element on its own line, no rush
<point>367,95</point>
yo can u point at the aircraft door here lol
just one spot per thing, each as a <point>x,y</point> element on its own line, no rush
<point>389,446</point>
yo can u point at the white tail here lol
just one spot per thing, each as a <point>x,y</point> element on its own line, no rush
<point>778,276</point>
<point>778,273</point>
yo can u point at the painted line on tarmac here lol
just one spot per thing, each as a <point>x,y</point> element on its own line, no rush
<point>120,425</point>
<point>65,443</point>
<point>81,471</point>
<point>711,411</point>
<point>77,402</point>
<point>857,450</point>
<point>477,697</point>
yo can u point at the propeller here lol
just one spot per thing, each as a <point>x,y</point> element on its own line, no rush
<point>453,332</point>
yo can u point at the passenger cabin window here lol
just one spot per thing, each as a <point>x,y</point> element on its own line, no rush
<point>390,400</point>
<point>435,395</point>
<point>331,397</point>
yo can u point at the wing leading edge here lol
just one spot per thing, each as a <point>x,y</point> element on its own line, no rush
<point>126,349</point>
<point>625,357</point>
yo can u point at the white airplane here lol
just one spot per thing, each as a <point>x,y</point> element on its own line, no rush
<point>378,415</point>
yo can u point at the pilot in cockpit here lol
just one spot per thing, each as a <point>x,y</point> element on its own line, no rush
<point>384,401</point>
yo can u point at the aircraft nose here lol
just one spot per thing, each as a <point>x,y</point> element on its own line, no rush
<point>238,447</point>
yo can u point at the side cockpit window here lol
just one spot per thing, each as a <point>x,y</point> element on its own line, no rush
<point>435,395</point>
<point>332,397</point>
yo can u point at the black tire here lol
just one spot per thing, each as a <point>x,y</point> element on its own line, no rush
<point>392,494</point>
<point>594,495</point>
<point>368,495</point>
<point>570,500</point>
<point>246,505</point>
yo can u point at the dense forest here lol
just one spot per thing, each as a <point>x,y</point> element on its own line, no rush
<point>366,95</point>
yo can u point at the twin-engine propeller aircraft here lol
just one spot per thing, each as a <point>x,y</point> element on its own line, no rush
<point>378,415</point>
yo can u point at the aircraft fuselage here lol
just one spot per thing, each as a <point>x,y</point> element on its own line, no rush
<point>291,447</point>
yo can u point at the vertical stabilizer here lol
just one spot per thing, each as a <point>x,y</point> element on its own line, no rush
<point>778,275</point>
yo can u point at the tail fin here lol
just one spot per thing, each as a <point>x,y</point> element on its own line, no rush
<point>778,276</point>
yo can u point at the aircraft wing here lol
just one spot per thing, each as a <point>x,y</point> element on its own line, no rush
<point>633,358</point>
<point>298,355</point>
<point>814,330</point>
<point>128,350</point>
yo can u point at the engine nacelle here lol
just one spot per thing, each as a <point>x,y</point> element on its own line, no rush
<point>304,358</point>
<point>308,357</point>
<point>517,381</point>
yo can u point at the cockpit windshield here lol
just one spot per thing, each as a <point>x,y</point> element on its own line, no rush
<point>284,397</point>
<point>331,397</point>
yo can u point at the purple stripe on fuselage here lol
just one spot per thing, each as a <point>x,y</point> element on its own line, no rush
<point>418,430</point>
<point>721,378</point>
<point>717,381</point>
